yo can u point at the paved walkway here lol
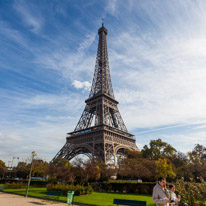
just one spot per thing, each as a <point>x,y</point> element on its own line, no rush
<point>17,200</point>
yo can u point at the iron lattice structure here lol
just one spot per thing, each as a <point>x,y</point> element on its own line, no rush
<point>100,132</point>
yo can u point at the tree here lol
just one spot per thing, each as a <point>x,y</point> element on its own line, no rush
<point>182,168</point>
<point>158,149</point>
<point>197,158</point>
<point>60,170</point>
<point>3,168</point>
<point>134,166</point>
<point>22,170</point>
<point>164,168</point>
<point>180,159</point>
<point>91,170</point>
<point>39,168</point>
<point>106,171</point>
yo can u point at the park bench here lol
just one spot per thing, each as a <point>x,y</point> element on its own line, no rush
<point>2,187</point>
<point>52,195</point>
<point>129,202</point>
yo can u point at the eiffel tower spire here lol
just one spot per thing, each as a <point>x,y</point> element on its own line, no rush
<point>100,132</point>
<point>102,80</point>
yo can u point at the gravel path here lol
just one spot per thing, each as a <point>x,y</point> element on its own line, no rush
<point>17,200</point>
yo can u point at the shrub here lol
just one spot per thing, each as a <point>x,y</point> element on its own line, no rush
<point>15,185</point>
<point>64,188</point>
<point>35,183</point>
<point>191,192</point>
<point>124,186</point>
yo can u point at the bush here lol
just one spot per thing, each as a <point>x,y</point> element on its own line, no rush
<point>14,185</point>
<point>64,188</point>
<point>124,186</point>
<point>35,183</point>
<point>192,192</point>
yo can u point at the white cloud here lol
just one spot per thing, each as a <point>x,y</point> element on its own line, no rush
<point>162,81</point>
<point>200,127</point>
<point>82,85</point>
<point>71,64</point>
<point>174,126</point>
<point>157,59</point>
<point>9,137</point>
<point>189,140</point>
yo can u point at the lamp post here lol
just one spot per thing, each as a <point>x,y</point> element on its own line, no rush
<point>32,154</point>
<point>11,170</point>
<point>12,162</point>
<point>8,169</point>
<point>9,163</point>
<point>17,161</point>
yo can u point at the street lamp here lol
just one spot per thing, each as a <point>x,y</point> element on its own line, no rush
<point>8,169</point>
<point>17,161</point>
<point>12,162</point>
<point>32,154</point>
<point>11,170</point>
<point>8,164</point>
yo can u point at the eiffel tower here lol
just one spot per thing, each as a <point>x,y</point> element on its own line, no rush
<point>100,132</point>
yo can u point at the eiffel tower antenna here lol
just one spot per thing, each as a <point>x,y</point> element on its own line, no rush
<point>100,132</point>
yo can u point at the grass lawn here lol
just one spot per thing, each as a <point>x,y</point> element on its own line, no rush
<point>96,198</point>
<point>105,199</point>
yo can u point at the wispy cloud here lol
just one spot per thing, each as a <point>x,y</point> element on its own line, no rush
<point>32,19</point>
<point>189,140</point>
<point>10,137</point>
<point>12,34</point>
<point>164,83</point>
<point>86,43</point>
<point>74,64</point>
<point>174,126</point>
<point>157,59</point>
<point>111,7</point>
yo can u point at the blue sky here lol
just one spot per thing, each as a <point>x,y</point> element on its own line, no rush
<point>157,60</point>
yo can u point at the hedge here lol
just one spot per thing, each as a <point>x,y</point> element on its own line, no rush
<point>35,183</point>
<point>124,187</point>
<point>15,185</point>
<point>64,188</point>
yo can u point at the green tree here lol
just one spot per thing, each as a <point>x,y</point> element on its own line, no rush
<point>22,170</point>
<point>164,168</point>
<point>134,166</point>
<point>182,167</point>
<point>158,149</point>
<point>3,168</point>
<point>197,158</point>
<point>91,170</point>
<point>39,168</point>
<point>106,171</point>
<point>60,170</point>
<point>81,176</point>
<point>180,159</point>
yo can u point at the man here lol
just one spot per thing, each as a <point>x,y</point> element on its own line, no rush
<point>160,194</point>
<point>173,196</point>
